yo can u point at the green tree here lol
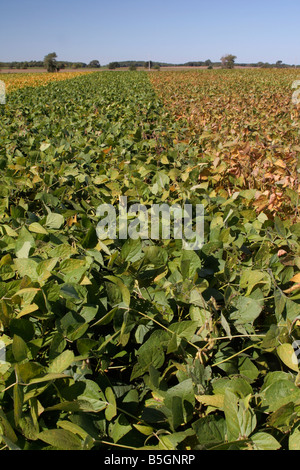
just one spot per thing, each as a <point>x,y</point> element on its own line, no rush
<point>50,62</point>
<point>94,64</point>
<point>228,61</point>
<point>113,65</point>
<point>77,65</point>
<point>132,68</point>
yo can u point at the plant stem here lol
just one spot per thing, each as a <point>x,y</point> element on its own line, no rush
<point>234,355</point>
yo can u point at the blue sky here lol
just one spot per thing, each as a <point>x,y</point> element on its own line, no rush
<point>163,30</point>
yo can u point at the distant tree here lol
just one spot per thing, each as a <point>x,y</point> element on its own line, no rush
<point>132,68</point>
<point>50,62</point>
<point>113,65</point>
<point>208,62</point>
<point>195,64</point>
<point>228,61</point>
<point>156,67</point>
<point>94,64</point>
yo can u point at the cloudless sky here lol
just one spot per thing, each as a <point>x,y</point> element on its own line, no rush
<point>174,31</point>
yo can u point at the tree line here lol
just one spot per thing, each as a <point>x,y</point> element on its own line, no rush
<point>51,63</point>
<point>227,62</point>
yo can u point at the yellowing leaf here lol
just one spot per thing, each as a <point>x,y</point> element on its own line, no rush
<point>27,310</point>
<point>44,146</point>
<point>287,355</point>
<point>280,163</point>
<point>296,278</point>
<point>146,430</point>
<point>85,281</point>
<point>292,289</point>
<point>35,227</point>
<point>211,400</point>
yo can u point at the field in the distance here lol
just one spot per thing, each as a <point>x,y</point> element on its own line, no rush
<point>245,127</point>
<point>138,343</point>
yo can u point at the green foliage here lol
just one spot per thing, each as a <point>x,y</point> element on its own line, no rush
<point>113,65</point>
<point>228,61</point>
<point>132,342</point>
<point>94,64</point>
<point>50,62</point>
